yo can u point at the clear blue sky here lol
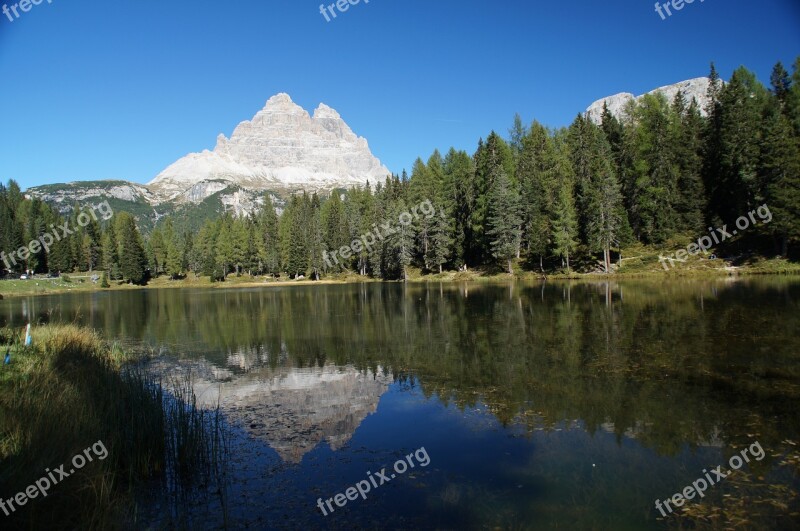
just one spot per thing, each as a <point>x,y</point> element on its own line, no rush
<point>99,89</point>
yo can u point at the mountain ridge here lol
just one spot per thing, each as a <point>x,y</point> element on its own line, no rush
<point>282,146</point>
<point>281,150</point>
<point>696,88</point>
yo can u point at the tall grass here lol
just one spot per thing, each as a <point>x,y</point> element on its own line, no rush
<point>70,390</point>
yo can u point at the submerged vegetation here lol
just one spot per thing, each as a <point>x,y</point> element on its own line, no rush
<point>69,390</point>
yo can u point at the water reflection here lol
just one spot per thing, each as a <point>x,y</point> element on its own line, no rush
<point>291,409</point>
<point>640,376</point>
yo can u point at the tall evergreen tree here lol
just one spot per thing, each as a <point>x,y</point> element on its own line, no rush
<point>268,245</point>
<point>564,222</point>
<point>133,262</point>
<point>536,169</point>
<point>504,221</point>
<point>110,248</point>
<point>687,144</point>
<point>779,168</point>
<point>458,172</point>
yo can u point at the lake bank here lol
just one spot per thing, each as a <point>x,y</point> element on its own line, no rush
<point>641,266</point>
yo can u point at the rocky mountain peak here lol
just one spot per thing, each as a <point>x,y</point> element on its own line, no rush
<point>696,88</point>
<point>282,146</point>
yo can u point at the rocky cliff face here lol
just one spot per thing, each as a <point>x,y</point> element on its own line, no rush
<point>282,147</point>
<point>693,88</point>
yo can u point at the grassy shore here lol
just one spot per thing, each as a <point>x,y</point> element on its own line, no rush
<point>69,391</point>
<point>637,262</point>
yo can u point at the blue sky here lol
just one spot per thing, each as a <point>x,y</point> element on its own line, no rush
<point>98,89</point>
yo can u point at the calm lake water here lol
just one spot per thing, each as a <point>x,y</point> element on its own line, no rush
<point>570,405</point>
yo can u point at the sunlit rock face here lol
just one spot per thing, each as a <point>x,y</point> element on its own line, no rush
<point>293,410</point>
<point>282,146</point>
<point>691,89</point>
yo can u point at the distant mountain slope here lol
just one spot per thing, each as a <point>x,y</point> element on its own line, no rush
<point>693,88</point>
<point>188,212</point>
<point>121,196</point>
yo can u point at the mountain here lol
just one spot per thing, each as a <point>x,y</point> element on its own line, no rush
<point>281,150</point>
<point>282,147</point>
<point>693,88</point>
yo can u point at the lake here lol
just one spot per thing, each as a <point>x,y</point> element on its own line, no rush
<point>569,405</point>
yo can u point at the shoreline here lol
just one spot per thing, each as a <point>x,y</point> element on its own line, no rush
<point>43,287</point>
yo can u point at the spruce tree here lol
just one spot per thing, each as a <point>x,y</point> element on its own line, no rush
<point>334,228</point>
<point>536,172</point>
<point>268,245</point>
<point>458,172</point>
<point>779,168</point>
<point>133,261</point>
<point>316,245</point>
<point>687,144</point>
<point>111,252</point>
<point>564,221</point>
<point>504,221</point>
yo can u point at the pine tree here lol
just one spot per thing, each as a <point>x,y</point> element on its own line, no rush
<point>225,251</point>
<point>111,252</point>
<point>268,244</point>
<point>158,251</point>
<point>173,264</point>
<point>423,188</point>
<point>335,229</point>
<point>401,242</point>
<point>515,137</point>
<point>741,103</point>
<point>779,168</point>
<point>535,172</point>
<point>781,83</point>
<point>91,245</point>
<point>687,144</point>
<point>204,252</point>
<point>653,214</point>
<point>458,172</point>
<point>504,221</point>
<point>564,222</point>
<point>133,261</point>
<point>297,248</point>
<point>315,238</point>
<point>239,245</point>
<point>491,159</point>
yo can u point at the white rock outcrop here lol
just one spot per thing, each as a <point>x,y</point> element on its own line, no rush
<point>281,147</point>
<point>693,88</point>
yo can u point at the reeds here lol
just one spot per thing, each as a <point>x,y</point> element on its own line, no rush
<point>71,389</point>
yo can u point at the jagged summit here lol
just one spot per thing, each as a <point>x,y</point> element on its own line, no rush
<point>282,146</point>
<point>696,88</point>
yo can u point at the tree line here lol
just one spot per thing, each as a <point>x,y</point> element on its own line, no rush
<point>114,246</point>
<point>541,199</point>
<point>545,198</point>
